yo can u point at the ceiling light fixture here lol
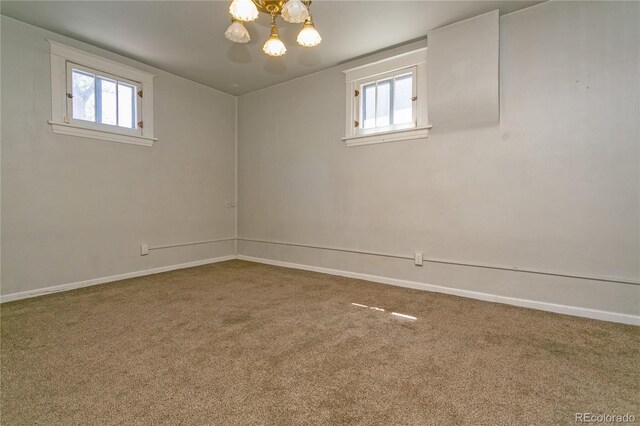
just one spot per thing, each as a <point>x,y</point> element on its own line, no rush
<point>294,11</point>
<point>309,36</point>
<point>274,46</point>
<point>236,32</point>
<point>243,10</point>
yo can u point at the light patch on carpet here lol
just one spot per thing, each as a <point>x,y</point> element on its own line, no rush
<point>397,314</point>
<point>403,316</point>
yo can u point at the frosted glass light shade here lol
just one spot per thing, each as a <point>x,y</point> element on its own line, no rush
<point>237,33</point>
<point>309,36</point>
<point>243,10</point>
<point>274,46</point>
<point>295,11</point>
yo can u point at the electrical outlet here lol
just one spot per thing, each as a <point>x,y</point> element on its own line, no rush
<point>144,249</point>
<point>418,258</point>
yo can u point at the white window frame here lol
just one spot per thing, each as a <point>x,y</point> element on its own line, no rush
<point>414,62</point>
<point>63,58</point>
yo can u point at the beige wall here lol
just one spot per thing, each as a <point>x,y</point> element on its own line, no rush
<point>554,187</point>
<point>76,209</point>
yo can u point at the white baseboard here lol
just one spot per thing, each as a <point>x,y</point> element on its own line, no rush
<point>102,280</point>
<point>543,306</point>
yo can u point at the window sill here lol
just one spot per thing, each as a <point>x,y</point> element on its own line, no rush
<point>68,129</point>
<point>390,136</point>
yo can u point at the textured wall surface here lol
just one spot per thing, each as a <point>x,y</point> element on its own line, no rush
<point>554,187</point>
<point>75,209</point>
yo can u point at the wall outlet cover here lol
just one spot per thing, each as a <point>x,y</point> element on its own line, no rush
<point>144,249</point>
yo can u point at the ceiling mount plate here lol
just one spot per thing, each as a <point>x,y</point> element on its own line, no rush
<point>269,6</point>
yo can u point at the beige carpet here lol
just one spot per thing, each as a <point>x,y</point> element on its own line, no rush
<point>245,343</point>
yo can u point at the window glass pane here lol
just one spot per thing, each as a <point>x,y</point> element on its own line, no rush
<point>368,112</point>
<point>126,105</point>
<point>83,90</point>
<point>383,104</point>
<point>402,103</point>
<point>106,105</point>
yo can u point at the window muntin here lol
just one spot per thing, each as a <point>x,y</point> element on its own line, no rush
<point>101,100</point>
<point>386,102</point>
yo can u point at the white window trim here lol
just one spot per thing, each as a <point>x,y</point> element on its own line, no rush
<point>61,124</point>
<point>354,77</point>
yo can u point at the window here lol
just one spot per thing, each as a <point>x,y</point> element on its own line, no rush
<point>97,98</point>
<point>386,100</point>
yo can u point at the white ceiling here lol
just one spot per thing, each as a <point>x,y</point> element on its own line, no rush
<point>186,37</point>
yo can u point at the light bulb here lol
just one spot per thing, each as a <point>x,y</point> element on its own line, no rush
<point>237,33</point>
<point>243,10</point>
<point>274,46</point>
<point>295,11</point>
<point>309,36</point>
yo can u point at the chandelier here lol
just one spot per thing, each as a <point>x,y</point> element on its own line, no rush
<point>293,11</point>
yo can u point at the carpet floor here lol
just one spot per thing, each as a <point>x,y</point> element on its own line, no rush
<point>245,343</point>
